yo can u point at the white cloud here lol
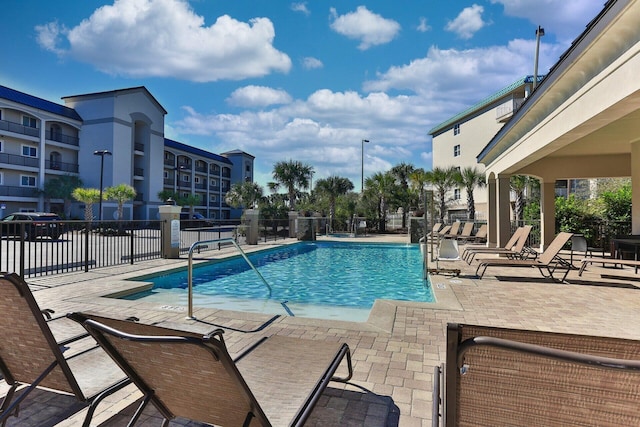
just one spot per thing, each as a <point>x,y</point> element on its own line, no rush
<point>165,38</point>
<point>423,27</point>
<point>300,7</point>
<point>258,96</point>
<point>310,63</point>
<point>468,22</point>
<point>565,18</point>
<point>370,28</point>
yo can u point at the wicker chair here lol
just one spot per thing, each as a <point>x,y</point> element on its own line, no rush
<point>497,377</point>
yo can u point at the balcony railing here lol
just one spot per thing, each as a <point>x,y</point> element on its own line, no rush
<point>61,166</point>
<point>169,162</point>
<point>138,146</point>
<point>14,159</point>
<point>202,168</point>
<point>201,186</point>
<point>507,109</point>
<point>18,128</point>
<point>12,191</point>
<point>138,172</point>
<point>60,137</point>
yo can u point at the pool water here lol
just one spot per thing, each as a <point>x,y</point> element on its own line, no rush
<point>309,279</point>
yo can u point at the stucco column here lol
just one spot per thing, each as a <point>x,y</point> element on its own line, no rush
<point>504,210</point>
<point>547,212</point>
<point>635,187</point>
<point>492,212</point>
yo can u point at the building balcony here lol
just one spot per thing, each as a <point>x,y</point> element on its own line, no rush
<point>139,197</point>
<point>11,191</point>
<point>18,128</point>
<point>138,172</point>
<point>138,146</point>
<point>61,166</point>
<point>14,159</point>
<point>507,109</point>
<point>200,186</point>
<point>60,137</point>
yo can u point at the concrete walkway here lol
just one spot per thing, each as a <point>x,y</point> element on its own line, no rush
<point>394,352</point>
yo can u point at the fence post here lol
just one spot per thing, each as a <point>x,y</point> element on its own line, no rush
<point>22,254</point>
<point>131,248</point>
<point>87,230</point>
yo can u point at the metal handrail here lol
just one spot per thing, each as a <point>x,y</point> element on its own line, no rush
<point>199,245</point>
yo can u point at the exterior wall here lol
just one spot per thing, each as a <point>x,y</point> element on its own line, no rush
<point>242,171</point>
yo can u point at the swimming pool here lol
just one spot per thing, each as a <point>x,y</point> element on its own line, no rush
<point>307,279</point>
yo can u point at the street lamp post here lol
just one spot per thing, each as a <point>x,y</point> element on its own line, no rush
<point>101,153</point>
<point>539,33</point>
<point>362,166</point>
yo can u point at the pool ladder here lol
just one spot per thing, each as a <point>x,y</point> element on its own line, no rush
<point>202,244</point>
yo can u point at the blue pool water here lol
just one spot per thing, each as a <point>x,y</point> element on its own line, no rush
<point>340,275</point>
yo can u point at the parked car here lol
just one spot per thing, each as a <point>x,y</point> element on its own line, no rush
<point>41,224</point>
<point>194,220</point>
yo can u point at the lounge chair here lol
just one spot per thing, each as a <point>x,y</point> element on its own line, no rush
<point>479,237</point>
<point>497,376</point>
<point>467,229</point>
<point>453,230</point>
<point>548,260</point>
<point>516,247</point>
<point>276,382</point>
<point>31,356</point>
<point>436,227</point>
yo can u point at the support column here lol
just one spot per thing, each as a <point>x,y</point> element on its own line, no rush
<point>635,187</point>
<point>492,212</point>
<point>504,210</point>
<point>547,212</point>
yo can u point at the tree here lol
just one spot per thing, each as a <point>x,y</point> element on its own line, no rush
<point>291,174</point>
<point>88,196</point>
<point>402,172</point>
<point>333,187</point>
<point>121,193</point>
<point>417,180</point>
<point>470,178</point>
<point>243,194</point>
<point>191,200</point>
<point>62,188</point>
<point>443,179</point>
<point>165,195</point>
<point>381,186</point>
<point>521,185</point>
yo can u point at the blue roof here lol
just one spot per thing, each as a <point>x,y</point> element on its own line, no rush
<point>39,103</point>
<point>197,151</point>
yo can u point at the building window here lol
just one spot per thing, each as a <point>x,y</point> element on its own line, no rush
<point>456,129</point>
<point>196,180</point>
<point>165,174</point>
<point>27,181</point>
<point>1,178</point>
<point>248,167</point>
<point>1,145</point>
<point>456,194</point>
<point>185,195</point>
<point>186,178</point>
<point>29,151</point>
<point>456,150</point>
<point>214,182</point>
<point>213,198</point>
<point>29,122</point>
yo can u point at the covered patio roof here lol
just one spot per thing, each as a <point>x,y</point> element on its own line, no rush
<point>582,121</point>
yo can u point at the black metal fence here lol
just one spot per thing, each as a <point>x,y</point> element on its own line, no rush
<point>38,249</point>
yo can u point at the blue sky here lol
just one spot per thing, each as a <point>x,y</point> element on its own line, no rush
<point>287,80</point>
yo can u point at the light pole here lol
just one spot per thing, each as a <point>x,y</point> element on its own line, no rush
<point>362,167</point>
<point>101,153</point>
<point>539,33</point>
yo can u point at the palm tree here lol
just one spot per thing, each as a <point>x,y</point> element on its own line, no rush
<point>470,178</point>
<point>88,196</point>
<point>120,193</point>
<point>520,184</point>
<point>243,194</point>
<point>417,180</point>
<point>381,186</point>
<point>291,174</point>
<point>402,172</point>
<point>333,187</point>
<point>62,188</point>
<point>191,200</point>
<point>443,180</point>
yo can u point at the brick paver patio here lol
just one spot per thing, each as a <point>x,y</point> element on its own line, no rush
<point>394,352</point>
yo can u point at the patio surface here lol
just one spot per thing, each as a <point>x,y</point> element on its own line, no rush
<point>394,353</point>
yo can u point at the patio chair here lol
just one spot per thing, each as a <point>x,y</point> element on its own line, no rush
<point>498,376</point>
<point>467,229</point>
<point>548,260</point>
<point>276,382</point>
<point>579,244</point>
<point>479,237</point>
<point>516,247</point>
<point>453,230</point>
<point>30,355</point>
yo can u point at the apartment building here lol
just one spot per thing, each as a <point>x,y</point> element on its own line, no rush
<point>41,140</point>
<point>458,140</point>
